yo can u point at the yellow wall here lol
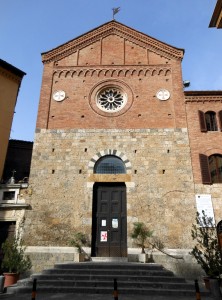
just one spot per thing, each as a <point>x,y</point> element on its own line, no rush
<point>9,85</point>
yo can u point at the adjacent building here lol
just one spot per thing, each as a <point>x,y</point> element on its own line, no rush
<point>18,161</point>
<point>12,203</point>
<point>10,81</point>
<point>216,20</point>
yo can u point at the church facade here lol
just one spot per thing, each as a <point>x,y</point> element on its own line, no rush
<point>118,141</point>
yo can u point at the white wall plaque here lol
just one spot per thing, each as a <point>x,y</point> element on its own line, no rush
<point>204,203</point>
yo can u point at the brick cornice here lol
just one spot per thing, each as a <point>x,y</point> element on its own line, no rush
<point>112,71</point>
<point>216,20</point>
<point>11,69</point>
<point>10,76</point>
<point>107,29</point>
<point>203,96</point>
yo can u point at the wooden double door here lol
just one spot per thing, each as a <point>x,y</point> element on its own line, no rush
<point>109,228</point>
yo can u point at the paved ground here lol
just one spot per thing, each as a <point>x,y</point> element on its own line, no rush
<point>74,296</point>
<point>95,297</point>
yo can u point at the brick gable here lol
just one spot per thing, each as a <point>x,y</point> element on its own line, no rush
<point>112,54</point>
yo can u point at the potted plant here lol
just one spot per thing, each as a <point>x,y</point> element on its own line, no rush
<point>206,250</point>
<point>79,240</point>
<point>14,260</point>
<point>141,233</point>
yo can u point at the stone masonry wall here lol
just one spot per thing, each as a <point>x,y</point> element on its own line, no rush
<point>160,189</point>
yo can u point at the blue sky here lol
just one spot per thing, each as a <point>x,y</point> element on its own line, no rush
<point>28,28</point>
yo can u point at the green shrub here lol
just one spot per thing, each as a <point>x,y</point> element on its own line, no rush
<point>14,258</point>
<point>80,239</point>
<point>141,233</point>
<point>206,251</point>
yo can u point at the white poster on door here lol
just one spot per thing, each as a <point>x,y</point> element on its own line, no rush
<point>103,236</point>
<point>103,223</point>
<point>114,223</point>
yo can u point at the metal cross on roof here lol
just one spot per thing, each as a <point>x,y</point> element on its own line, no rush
<point>115,11</point>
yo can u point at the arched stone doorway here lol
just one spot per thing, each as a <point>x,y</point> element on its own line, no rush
<point>109,218</point>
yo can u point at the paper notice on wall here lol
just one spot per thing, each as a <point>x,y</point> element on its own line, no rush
<point>204,203</point>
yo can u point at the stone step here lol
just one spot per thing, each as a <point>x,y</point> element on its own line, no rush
<point>108,277</point>
<point>109,290</point>
<point>109,271</point>
<point>98,278</point>
<point>121,284</point>
<point>123,266</point>
<point>109,259</point>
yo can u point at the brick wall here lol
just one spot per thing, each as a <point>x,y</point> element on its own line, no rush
<point>202,142</point>
<point>140,68</point>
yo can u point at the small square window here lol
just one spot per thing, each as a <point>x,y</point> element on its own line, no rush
<point>9,195</point>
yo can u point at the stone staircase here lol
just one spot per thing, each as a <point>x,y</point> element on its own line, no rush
<point>98,278</point>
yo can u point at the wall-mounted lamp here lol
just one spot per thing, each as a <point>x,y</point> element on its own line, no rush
<point>186,83</point>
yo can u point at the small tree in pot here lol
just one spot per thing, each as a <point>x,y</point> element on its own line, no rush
<point>143,237</point>
<point>206,251</point>
<point>14,260</point>
<point>141,234</point>
<point>80,239</point>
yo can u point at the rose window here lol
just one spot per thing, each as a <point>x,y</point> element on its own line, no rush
<point>111,99</point>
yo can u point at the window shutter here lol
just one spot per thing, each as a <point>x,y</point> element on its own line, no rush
<point>205,171</point>
<point>220,119</point>
<point>203,125</point>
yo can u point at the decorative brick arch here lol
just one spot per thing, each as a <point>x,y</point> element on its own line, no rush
<point>212,151</point>
<point>114,152</point>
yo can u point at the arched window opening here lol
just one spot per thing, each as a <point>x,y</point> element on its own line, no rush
<point>220,119</point>
<point>215,166</point>
<point>109,164</point>
<point>219,234</point>
<point>211,121</point>
<point>219,228</point>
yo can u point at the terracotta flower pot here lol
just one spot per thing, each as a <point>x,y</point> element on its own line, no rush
<point>10,278</point>
<point>215,288</point>
<point>206,282</point>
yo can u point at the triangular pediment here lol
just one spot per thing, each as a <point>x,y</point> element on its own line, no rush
<point>113,33</point>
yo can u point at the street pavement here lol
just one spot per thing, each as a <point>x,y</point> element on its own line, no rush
<point>96,297</point>
<point>205,295</point>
